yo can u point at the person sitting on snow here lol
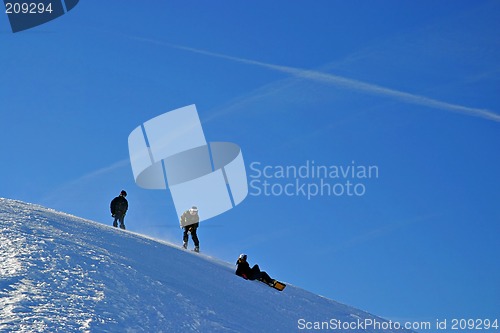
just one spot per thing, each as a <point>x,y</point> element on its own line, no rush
<point>243,269</point>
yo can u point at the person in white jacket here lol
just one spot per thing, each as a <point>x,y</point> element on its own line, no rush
<point>189,222</point>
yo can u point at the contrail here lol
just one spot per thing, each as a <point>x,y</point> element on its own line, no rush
<point>345,82</point>
<point>70,186</point>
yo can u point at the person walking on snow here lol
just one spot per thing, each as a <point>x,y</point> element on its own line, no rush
<point>119,207</point>
<point>189,222</point>
<point>243,269</point>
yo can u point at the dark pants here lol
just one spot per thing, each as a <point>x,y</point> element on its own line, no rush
<point>194,236</point>
<point>119,218</point>
<point>257,274</point>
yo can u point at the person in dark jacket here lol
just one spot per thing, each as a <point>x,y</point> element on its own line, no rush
<point>119,207</point>
<point>189,222</point>
<point>243,269</point>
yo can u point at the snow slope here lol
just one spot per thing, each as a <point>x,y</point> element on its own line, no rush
<point>60,273</point>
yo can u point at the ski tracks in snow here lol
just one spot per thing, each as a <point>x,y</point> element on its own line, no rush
<point>41,288</point>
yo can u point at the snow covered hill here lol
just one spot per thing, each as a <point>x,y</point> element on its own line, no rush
<point>60,273</point>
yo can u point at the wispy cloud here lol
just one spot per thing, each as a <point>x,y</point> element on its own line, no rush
<point>344,82</point>
<point>117,165</point>
<point>73,187</point>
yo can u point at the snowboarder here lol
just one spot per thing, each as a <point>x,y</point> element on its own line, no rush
<point>189,222</point>
<point>119,207</point>
<point>243,269</point>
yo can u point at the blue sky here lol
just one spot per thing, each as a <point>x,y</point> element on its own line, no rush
<point>409,88</point>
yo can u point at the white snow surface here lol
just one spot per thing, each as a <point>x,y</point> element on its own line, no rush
<point>61,273</point>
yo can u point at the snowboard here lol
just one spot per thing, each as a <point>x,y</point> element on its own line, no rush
<point>276,285</point>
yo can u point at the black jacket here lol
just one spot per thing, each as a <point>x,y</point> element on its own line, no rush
<point>243,269</point>
<point>119,205</point>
